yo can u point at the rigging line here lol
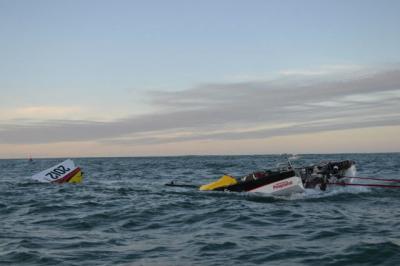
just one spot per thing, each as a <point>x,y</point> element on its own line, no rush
<point>374,178</point>
<point>364,185</point>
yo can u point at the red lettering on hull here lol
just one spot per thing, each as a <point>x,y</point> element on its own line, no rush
<point>282,184</point>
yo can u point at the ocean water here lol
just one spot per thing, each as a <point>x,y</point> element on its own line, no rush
<point>122,214</point>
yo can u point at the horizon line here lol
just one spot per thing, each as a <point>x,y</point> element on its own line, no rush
<point>196,155</point>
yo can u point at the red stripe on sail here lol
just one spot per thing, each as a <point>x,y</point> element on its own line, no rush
<point>68,176</point>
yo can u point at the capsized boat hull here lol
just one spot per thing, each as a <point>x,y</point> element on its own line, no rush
<point>283,181</point>
<point>268,182</point>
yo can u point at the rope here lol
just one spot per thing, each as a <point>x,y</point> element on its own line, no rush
<point>364,185</point>
<point>374,178</point>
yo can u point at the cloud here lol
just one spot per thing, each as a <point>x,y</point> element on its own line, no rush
<point>237,110</point>
<point>39,112</point>
<point>324,70</point>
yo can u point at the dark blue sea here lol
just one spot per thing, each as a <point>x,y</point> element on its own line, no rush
<point>122,214</point>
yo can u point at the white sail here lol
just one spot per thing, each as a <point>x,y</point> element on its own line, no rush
<point>55,173</point>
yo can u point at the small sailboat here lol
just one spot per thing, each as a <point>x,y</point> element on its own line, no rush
<point>65,172</point>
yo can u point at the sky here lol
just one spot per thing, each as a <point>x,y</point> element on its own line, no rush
<point>143,78</point>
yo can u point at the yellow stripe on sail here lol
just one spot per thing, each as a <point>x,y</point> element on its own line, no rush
<point>77,178</point>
